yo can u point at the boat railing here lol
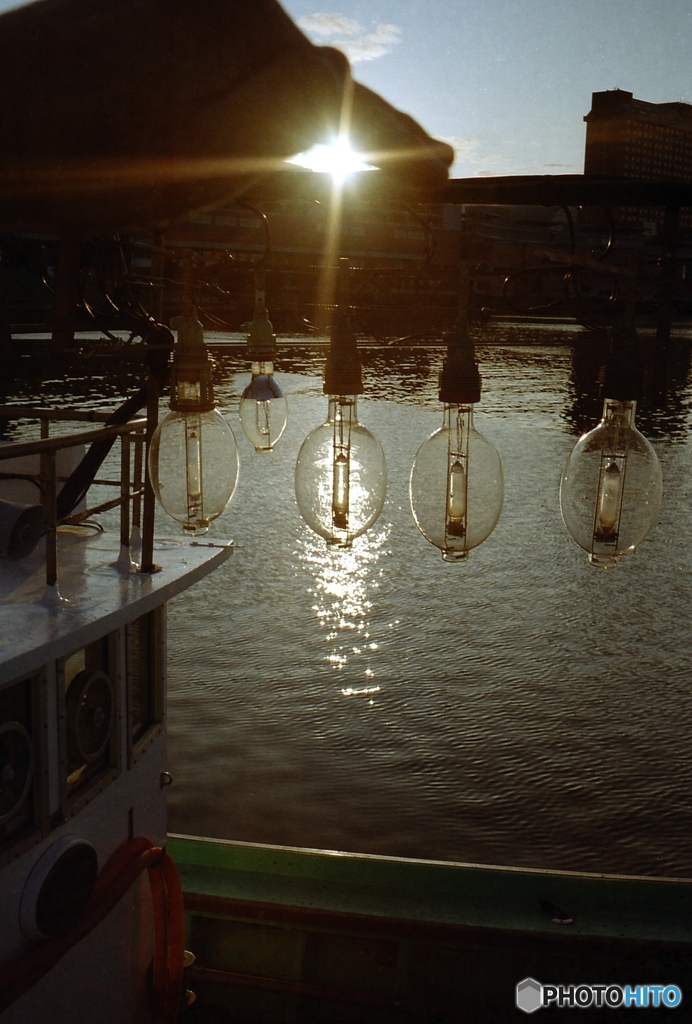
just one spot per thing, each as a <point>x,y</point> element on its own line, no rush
<point>131,483</point>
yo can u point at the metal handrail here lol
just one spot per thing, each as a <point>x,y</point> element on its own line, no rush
<point>39,412</point>
<point>48,444</point>
<point>131,490</point>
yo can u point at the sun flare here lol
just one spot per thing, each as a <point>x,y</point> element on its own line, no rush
<point>337,159</point>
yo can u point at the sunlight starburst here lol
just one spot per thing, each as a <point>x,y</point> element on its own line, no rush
<point>337,159</point>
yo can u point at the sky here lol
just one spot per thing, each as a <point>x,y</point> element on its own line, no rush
<point>508,82</point>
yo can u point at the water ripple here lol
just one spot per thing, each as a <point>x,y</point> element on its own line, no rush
<point>522,708</point>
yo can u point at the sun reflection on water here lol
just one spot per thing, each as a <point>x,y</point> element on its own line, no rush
<point>343,586</point>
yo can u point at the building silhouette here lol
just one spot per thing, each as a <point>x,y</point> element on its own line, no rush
<point>631,138</point>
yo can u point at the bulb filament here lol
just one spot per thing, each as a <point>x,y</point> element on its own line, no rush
<point>456,499</point>
<point>193,459</point>
<point>263,418</point>
<point>341,482</point>
<point>609,502</point>
<point>341,488</point>
<point>456,510</point>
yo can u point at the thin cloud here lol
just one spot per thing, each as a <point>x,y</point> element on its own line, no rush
<point>357,42</point>
<point>463,147</point>
<point>326,26</point>
<point>487,166</point>
<point>471,162</point>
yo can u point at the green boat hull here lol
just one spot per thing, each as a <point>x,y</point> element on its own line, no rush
<point>285,934</point>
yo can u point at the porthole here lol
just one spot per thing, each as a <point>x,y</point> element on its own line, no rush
<point>89,708</point>
<point>16,768</point>
<point>58,888</point>
<point>23,777</point>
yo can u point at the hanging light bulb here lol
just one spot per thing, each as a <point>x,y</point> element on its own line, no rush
<point>610,491</point>
<point>263,408</point>
<point>456,487</point>
<point>341,476</point>
<point>193,457</point>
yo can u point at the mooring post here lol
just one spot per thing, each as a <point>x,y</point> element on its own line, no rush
<point>147,560</point>
<point>125,492</point>
<point>48,485</point>
<point>136,537</point>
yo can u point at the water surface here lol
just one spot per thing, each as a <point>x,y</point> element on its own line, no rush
<point>523,708</point>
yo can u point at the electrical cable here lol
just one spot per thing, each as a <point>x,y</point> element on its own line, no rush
<point>570,272</point>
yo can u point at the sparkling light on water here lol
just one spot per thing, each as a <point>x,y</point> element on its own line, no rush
<point>506,724</point>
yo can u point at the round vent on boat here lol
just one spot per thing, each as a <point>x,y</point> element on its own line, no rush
<point>58,888</point>
<point>21,527</point>
<point>16,767</point>
<point>89,716</point>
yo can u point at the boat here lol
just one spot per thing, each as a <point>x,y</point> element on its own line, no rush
<point>83,741</point>
<point>103,916</point>
<point>110,122</point>
<point>285,934</point>
<point>277,933</point>
<point>223,931</point>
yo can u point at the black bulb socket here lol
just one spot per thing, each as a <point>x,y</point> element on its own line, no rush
<point>343,371</point>
<point>621,382</point>
<point>460,379</point>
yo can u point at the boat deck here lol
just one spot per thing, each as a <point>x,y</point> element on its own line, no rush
<point>99,593</point>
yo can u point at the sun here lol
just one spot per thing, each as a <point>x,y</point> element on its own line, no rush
<point>337,159</point>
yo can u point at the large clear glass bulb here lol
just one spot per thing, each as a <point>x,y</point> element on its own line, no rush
<point>610,491</point>
<point>341,475</point>
<point>263,408</point>
<point>456,487</point>
<point>193,466</point>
